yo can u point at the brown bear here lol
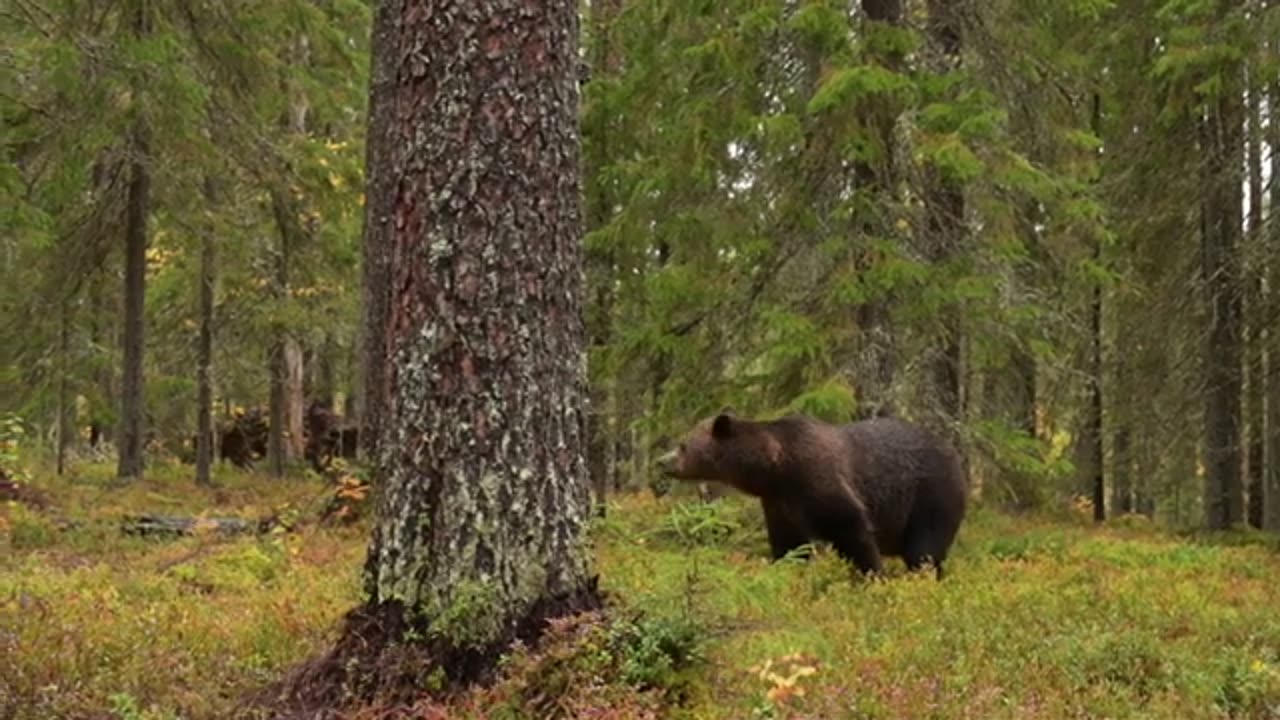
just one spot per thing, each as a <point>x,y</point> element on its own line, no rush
<point>871,488</point>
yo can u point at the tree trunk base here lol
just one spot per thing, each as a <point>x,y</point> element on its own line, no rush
<point>372,664</point>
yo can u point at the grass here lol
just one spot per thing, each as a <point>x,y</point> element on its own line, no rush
<point>1038,618</point>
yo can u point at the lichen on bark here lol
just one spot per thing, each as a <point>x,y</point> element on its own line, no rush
<point>481,469</point>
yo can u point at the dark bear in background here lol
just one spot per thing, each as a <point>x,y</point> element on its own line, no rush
<point>244,440</point>
<point>328,436</point>
<point>871,488</point>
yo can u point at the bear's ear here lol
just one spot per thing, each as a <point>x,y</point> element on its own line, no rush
<point>722,427</point>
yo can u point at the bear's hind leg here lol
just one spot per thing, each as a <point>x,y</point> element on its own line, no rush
<point>916,552</point>
<point>848,529</point>
<point>920,545</point>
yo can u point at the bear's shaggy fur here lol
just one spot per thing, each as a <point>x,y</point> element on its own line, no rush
<point>871,488</point>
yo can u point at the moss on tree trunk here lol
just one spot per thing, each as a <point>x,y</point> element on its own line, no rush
<point>482,477</point>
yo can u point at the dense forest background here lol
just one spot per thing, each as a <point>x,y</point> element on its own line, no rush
<point>1045,227</point>
<point>249,469</point>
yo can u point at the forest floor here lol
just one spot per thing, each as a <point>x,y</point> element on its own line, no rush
<point>1038,617</point>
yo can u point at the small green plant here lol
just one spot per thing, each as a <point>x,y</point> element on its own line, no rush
<point>652,651</point>
<point>125,707</point>
<point>698,523</point>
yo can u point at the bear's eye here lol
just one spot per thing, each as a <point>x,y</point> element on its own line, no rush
<point>681,447</point>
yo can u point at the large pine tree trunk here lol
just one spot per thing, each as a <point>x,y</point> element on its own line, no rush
<point>204,350</point>
<point>483,482</point>
<point>1221,132</point>
<point>381,167</point>
<point>137,212</point>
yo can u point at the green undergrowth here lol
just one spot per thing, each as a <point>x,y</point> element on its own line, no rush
<point>1037,618</point>
<point>98,623</point>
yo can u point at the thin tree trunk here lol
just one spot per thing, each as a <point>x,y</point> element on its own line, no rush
<point>1271,389</point>
<point>1256,318</point>
<point>1092,434</point>
<point>657,373</point>
<point>1143,485</point>
<point>204,358</point>
<point>382,162</point>
<point>66,408</point>
<point>1012,392</point>
<point>276,447</point>
<point>286,443</point>
<point>1121,469</point>
<point>1122,494</point>
<point>279,449</point>
<point>484,479</point>
<point>946,230</point>
<point>601,456</point>
<point>879,356</point>
<point>1224,495</point>
<point>295,402</point>
<point>100,338</point>
<point>132,401</point>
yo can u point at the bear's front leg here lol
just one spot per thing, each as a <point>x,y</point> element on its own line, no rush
<point>784,535</point>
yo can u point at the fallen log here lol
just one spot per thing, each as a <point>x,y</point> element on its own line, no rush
<point>164,525</point>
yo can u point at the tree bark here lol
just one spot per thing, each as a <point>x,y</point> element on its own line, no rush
<point>1120,414</point>
<point>1223,491</point>
<point>1271,389</point>
<point>287,411</point>
<point>277,451</point>
<point>204,350</point>
<point>382,163</point>
<point>138,209</point>
<point>1092,432</point>
<point>1122,493</point>
<point>1254,368</point>
<point>295,402</point>
<point>66,408</point>
<point>483,482</point>
<point>103,314</point>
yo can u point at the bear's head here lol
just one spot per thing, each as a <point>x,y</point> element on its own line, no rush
<point>726,449</point>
